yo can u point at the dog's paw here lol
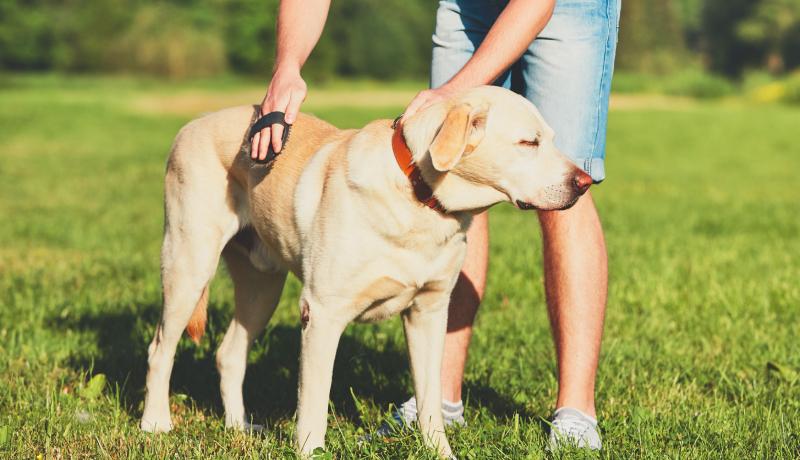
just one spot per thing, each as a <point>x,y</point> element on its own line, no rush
<point>156,426</point>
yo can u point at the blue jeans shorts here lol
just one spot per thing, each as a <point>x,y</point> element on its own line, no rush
<point>566,72</point>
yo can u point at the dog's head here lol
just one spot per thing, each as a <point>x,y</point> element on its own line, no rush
<point>488,145</point>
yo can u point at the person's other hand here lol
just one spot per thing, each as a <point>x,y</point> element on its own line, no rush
<point>286,92</point>
<point>427,98</point>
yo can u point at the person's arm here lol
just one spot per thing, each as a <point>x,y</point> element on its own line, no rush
<point>512,33</point>
<point>300,24</point>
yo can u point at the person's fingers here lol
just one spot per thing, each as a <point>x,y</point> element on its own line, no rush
<point>263,145</point>
<point>416,103</point>
<point>277,137</point>
<point>432,99</point>
<point>427,98</point>
<point>297,97</point>
<point>254,145</point>
<point>258,150</point>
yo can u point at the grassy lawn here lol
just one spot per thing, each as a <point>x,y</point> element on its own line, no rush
<point>700,356</point>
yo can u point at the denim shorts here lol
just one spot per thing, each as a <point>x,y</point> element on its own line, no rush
<point>566,72</point>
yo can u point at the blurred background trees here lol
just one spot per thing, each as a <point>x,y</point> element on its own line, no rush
<point>381,39</point>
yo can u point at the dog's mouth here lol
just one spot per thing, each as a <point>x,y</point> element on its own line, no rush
<point>524,206</point>
<point>571,204</point>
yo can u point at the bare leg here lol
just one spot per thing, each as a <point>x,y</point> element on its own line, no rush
<point>576,282</point>
<point>424,324</point>
<point>256,294</point>
<point>576,286</point>
<point>464,303</point>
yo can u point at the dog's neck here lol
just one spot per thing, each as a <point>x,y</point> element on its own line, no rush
<point>377,180</point>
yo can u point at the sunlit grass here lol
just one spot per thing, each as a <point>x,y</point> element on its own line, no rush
<point>700,351</point>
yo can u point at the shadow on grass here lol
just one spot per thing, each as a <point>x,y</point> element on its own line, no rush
<point>270,386</point>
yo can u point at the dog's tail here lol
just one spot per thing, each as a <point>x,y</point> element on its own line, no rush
<point>197,325</point>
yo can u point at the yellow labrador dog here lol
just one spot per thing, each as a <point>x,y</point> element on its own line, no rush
<point>337,210</point>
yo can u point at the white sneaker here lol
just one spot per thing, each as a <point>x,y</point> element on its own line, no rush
<point>406,415</point>
<point>453,413</point>
<point>573,427</point>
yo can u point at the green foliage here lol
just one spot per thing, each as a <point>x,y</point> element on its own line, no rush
<point>250,28</point>
<point>4,436</point>
<point>635,82</point>
<point>697,84</point>
<point>94,388</point>
<point>692,83</point>
<point>792,85</point>
<point>752,33</point>
<point>772,27</point>
<point>380,39</point>
<point>55,35</point>
<point>699,355</point>
<point>384,39</point>
<point>160,38</point>
<point>189,47</point>
<point>194,38</point>
<point>790,48</point>
<point>770,22</point>
<point>689,14</point>
<point>650,37</point>
<point>776,90</point>
<point>25,36</point>
<point>726,52</point>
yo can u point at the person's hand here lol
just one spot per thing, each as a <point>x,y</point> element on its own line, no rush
<point>427,98</point>
<point>286,92</point>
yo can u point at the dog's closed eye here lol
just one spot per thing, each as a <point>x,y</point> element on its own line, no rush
<point>531,143</point>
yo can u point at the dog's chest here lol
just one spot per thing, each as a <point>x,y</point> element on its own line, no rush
<point>392,282</point>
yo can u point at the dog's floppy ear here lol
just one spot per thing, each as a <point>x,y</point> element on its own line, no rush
<point>463,129</point>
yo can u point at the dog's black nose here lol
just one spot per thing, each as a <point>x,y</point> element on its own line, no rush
<point>582,181</point>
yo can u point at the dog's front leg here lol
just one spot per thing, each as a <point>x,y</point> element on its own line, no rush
<point>425,324</point>
<point>322,329</point>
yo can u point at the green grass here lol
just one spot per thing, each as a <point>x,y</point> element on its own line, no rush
<point>700,353</point>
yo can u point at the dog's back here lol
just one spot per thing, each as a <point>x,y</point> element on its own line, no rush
<point>216,148</point>
<point>220,139</point>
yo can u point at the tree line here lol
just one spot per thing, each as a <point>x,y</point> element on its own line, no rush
<point>382,39</point>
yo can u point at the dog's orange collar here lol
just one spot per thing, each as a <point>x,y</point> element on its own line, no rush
<point>402,154</point>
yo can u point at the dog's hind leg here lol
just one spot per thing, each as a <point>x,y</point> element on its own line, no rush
<point>257,292</point>
<point>200,218</point>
